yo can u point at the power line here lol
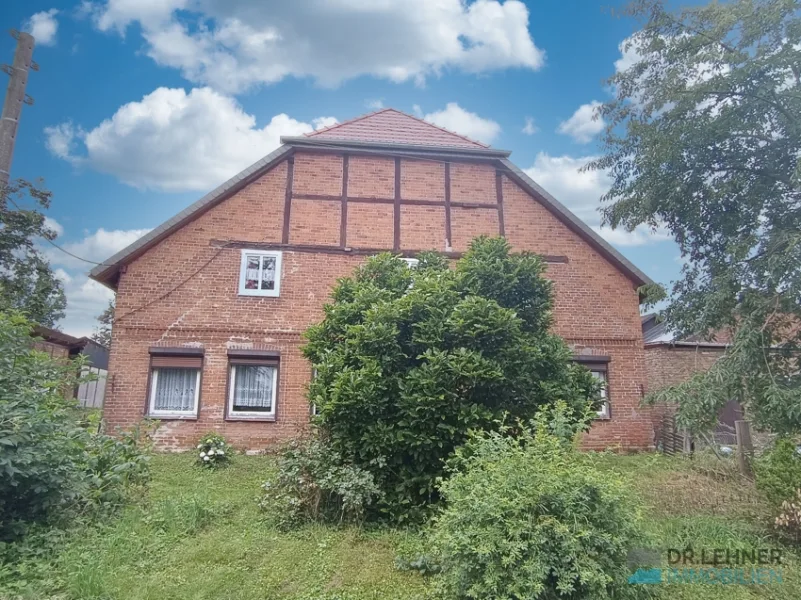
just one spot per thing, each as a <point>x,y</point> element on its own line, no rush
<point>52,243</point>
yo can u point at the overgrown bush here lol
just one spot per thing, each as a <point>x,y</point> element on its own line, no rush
<point>213,451</point>
<point>50,466</point>
<point>314,483</point>
<point>409,360</point>
<point>527,517</point>
<point>778,471</point>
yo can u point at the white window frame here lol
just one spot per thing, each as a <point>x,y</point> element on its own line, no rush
<point>603,412</point>
<point>176,414</point>
<point>243,291</point>
<point>412,263</point>
<point>255,415</point>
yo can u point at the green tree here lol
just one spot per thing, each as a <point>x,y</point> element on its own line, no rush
<point>102,333</point>
<point>408,361</point>
<point>27,283</point>
<point>703,138</point>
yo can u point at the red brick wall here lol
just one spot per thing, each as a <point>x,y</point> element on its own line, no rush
<point>667,365</point>
<point>184,290</point>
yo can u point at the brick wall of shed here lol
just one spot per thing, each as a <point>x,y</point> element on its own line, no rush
<point>184,290</point>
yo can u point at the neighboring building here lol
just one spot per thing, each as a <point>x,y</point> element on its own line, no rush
<point>211,305</point>
<point>670,361</point>
<point>61,345</point>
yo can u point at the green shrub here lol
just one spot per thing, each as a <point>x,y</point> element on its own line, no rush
<point>213,451</point>
<point>527,517</point>
<point>778,472</point>
<point>50,466</point>
<point>409,360</point>
<point>314,483</point>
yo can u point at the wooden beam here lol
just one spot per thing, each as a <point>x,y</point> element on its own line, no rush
<point>290,170</point>
<point>320,249</point>
<point>448,206</point>
<point>487,205</point>
<point>343,224</point>
<point>499,199</point>
<point>396,220</point>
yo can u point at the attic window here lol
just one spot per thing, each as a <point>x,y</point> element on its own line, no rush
<point>260,273</point>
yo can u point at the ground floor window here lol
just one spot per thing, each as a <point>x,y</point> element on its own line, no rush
<point>598,366</point>
<point>174,390</point>
<point>252,386</point>
<point>603,411</point>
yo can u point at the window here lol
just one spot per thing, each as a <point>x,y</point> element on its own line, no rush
<point>174,383</point>
<point>252,386</point>
<point>603,412</point>
<point>412,263</point>
<point>313,408</point>
<point>260,273</point>
<point>598,366</point>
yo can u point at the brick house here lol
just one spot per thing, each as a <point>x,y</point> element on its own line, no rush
<point>212,304</point>
<point>669,361</point>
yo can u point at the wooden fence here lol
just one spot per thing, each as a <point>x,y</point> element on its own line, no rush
<point>90,394</point>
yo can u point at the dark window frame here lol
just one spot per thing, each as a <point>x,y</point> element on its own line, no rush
<point>163,357</point>
<point>248,357</point>
<point>599,364</point>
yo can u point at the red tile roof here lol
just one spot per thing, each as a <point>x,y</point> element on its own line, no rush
<point>395,127</point>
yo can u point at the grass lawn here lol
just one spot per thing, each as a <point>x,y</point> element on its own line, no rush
<point>200,535</point>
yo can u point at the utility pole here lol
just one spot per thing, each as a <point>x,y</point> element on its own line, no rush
<point>15,96</point>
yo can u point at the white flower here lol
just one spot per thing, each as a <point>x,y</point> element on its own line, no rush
<point>221,453</point>
<point>202,455</point>
<point>206,458</point>
<point>199,446</point>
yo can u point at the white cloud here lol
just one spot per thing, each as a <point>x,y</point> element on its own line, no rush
<point>174,141</point>
<point>54,225</point>
<point>86,298</point>
<point>43,26</point>
<point>95,247</point>
<point>630,53</point>
<point>60,139</point>
<point>61,274</point>
<point>581,192</point>
<point>530,128</point>
<point>455,118</point>
<point>585,123</point>
<point>323,122</point>
<point>377,104</point>
<point>233,45</point>
<point>417,110</point>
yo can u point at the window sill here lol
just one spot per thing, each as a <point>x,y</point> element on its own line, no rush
<point>602,418</point>
<point>249,294</point>
<point>256,419</point>
<point>173,417</point>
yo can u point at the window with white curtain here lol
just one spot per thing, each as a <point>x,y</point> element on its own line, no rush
<point>174,391</point>
<point>252,389</point>
<point>260,273</point>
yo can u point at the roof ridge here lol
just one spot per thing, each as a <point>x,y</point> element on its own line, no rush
<point>400,112</point>
<point>349,121</point>
<point>446,130</point>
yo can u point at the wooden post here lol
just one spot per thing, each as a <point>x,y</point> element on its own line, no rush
<point>745,447</point>
<point>15,98</point>
<point>688,443</point>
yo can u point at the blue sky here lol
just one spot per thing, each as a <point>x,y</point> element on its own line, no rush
<point>141,106</point>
